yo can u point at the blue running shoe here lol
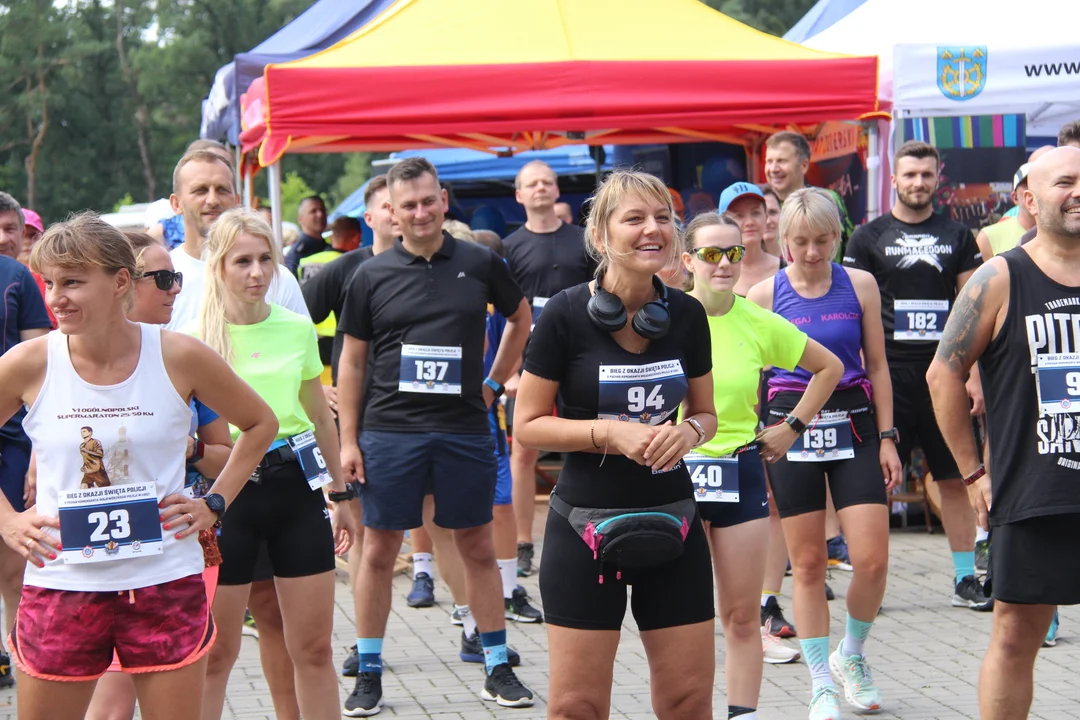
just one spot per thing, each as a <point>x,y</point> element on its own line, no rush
<point>423,591</point>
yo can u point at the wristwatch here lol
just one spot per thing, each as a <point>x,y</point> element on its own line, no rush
<point>349,494</point>
<point>892,434</point>
<point>495,386</point>
<point>692,422</point>
<point>796,424</point>
<point>974,477</point>
<point>216,503</point>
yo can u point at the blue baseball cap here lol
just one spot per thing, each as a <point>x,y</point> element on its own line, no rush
<point>739,190</point>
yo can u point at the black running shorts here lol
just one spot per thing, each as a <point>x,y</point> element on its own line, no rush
<point>913,416</point>
<point>1031,564</point>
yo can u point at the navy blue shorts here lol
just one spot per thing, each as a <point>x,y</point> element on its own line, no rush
<point>753,495</point>
<point>14,463</point>
<point>400,468</point>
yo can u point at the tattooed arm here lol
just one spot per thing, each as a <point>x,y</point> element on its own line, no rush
<point>972,324</point>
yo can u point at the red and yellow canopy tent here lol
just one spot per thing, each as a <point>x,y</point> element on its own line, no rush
<point>506,76</point>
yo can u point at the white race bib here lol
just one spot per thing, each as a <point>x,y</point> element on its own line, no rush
<point>827,438</point>
<point>102,524</point>
<point>641,393</point>
<point>919,319</point>
<point>433,369</point>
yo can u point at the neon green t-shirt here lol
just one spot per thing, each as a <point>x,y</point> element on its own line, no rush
<point>274,357</point>
<point>745,340</point>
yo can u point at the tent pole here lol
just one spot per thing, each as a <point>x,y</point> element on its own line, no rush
<point>274,181</point>
<point>873,171</point>
<point>238,158</point>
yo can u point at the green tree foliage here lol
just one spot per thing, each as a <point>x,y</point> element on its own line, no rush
<point>772,16</point>
<point>293,190</point>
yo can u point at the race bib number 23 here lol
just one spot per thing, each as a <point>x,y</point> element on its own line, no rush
<point>102,524</point>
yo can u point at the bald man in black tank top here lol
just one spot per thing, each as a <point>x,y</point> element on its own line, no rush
<point>1019,317</point>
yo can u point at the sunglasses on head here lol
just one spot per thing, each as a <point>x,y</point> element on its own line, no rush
<point>164,279</point>
<point>712,255</point>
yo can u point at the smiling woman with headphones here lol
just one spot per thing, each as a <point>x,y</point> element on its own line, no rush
<point>620,355</point>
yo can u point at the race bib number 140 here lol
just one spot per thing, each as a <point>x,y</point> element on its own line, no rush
<point>102,524</point>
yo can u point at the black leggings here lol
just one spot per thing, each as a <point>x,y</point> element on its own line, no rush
<point>673,594</point>
<point>286,516</point>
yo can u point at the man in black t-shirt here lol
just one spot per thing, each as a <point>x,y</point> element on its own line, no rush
<point>311,217</point>
<point>546,256</point>
<point>920,261</point>
<point>419,311</point>
<point>1019,318</point>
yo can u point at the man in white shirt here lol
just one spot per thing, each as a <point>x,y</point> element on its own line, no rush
<point>203,188</point>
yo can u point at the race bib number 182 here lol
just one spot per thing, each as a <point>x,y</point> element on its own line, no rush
<point>641,393</point>
<point>919,319</point>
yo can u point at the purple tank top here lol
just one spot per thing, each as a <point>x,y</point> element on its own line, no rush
<point>834,320</point>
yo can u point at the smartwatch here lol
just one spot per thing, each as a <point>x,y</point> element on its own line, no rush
<point>197,452</point>
<point>796,424</point>
<point>216,503</point>
<point>892,434</point>
<point>692,422</point>
<point>495,387</point>
<point>337,497</point>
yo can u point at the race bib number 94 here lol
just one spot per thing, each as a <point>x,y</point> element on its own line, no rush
<point>432,369</point>
<point>1058,381</point>
<point>828,438</point>
<point>641,393</point>
<point>919,319</point>
<point>102,524</point>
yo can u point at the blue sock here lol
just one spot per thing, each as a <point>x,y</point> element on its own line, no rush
<point>494,644</point>
<point>816,653</point>
<point>964,563</point>
<point>370,652</point>
<point>855,635</point>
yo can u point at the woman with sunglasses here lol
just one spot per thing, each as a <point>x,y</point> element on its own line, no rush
<point>728,475</point>
<point>208,449</point>
<point>850,445</point>
<point>283,506</point>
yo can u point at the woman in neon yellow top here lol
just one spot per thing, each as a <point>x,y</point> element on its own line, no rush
<point>275,351</point>
<point>727,471</point>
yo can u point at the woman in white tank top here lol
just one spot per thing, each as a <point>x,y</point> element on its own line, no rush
<point>109,420</point>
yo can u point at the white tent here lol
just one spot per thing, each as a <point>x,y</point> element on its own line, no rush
<point>943,58</point>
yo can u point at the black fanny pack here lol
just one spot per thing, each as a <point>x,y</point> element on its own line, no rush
<point>631,538</point>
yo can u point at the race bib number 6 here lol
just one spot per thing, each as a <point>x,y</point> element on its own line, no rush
<point>919,319</point>
<point>828,438</point>
<point>103,524</point>
<point>432,369</point>
<point>311,459</point>
<point>715,479</point>
<point>641,393</point>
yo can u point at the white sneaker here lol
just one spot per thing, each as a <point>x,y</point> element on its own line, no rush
<point>774,651</point>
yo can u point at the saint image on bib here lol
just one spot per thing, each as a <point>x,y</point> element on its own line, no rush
<point>93,454</point>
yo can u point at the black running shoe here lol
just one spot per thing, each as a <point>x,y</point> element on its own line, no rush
<point>969,593</point>
<point>7,678</point>
<point>518,608</point>
<point>351,666</point>
<point>502,686</point>
<point>525,559</point>
<point>366,697</point>
<point>779,626</point>
<point>472,651</point>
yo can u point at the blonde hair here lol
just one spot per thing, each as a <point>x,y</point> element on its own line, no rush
<point>605,201</point>
<point>140,241</point>
<point>212,324</point>
<point>459,230</point>
<point>82,242</point>
<point>810,208</point>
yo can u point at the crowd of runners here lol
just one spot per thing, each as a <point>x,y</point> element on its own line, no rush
<point>735,398</point>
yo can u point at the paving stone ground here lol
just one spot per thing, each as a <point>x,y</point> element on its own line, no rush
<point>925,655</point>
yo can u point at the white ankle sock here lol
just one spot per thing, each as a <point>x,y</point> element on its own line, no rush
<point>468,621</point>
<point>423,563</point>
<point>508,571</point>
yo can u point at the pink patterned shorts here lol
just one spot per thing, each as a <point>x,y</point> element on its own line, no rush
<point>68,635</point>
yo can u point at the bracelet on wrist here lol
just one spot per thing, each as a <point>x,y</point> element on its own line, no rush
<point>974,477</point>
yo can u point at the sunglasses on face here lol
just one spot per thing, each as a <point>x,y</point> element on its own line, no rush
<point>164,279</point>
<point>712,255</point>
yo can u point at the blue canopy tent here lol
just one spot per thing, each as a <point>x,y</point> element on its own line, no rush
<point>470,168</point>
<point>320,26</point>
<point>823,15</point>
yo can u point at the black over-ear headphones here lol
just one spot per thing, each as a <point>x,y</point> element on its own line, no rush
<point>608,313</point>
